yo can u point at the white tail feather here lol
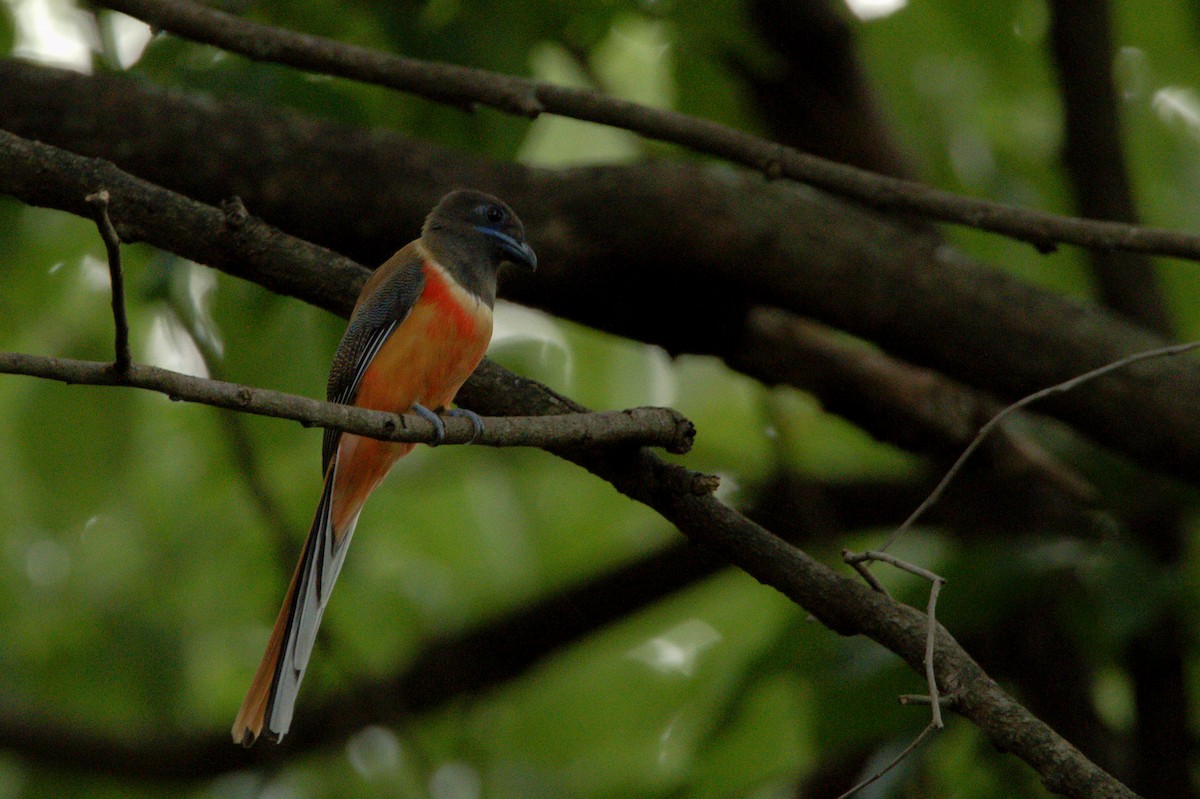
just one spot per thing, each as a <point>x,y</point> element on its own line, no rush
<point>324,554</point>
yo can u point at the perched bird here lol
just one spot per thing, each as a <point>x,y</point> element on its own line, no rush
<point>418,330</point>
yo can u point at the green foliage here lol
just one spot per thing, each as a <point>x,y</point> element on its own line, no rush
<point>7,32</point>
<point>139,573</point>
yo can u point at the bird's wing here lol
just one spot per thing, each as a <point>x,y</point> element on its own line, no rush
<point>385,302</point>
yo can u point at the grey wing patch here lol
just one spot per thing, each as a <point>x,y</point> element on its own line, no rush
<point>378,314</point>
<point>346,394</point>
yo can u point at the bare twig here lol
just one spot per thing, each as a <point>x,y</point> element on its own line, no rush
<point>860,566</point>
<point>945,700</point>
<point>839,602</point>
<point>931,627</point>
<point>895,761</point>
<point>635,427</point>
<point>1058,388</point>
<point>112,243</point>
<point>936,582</point>
<point>875,291</point>
<point>935,588</point>
<point>461,86</point>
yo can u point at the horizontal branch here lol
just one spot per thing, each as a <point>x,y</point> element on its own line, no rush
<point>679,495</point>
<point>462,86</point>
<point>229,239</point>
<point>818,257</point>
<point>653,427</point>
<point>917,409</point>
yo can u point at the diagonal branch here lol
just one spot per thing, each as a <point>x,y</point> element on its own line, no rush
<point>460,86</point>
<point>683,497</point>
<point>817,257</point>
<point>657,427</point>
<point>840,603</point>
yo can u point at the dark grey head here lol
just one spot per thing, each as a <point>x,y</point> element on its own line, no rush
<point>471,234</point>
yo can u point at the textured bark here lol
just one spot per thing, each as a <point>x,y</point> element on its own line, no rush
<point>683,497</point>
<point>1082,45</point>
<point>700,245</point>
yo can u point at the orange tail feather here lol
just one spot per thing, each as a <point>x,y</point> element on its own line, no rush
<point>250,718</point>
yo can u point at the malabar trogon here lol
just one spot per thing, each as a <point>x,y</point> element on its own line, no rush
<point>419,328</point>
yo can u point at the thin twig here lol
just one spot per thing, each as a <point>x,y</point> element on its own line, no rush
<point>945,700</point>
<point>936,581</point>
<point>860,566</point>
<point>464,87</point>
<point>897,760</point>
<point>656,427</point>
<point>891,560</point>
<point>858,561</point>
<point>1058,388</point>
<point>112,243</point>
<point>930,638</point>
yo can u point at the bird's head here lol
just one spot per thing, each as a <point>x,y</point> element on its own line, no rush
<point>470,226</point>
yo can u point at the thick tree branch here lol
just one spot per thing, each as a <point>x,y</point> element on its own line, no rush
<point>1081,41</point>
<point>462,86</point>
<point>841,603</point>
<point>914,408</point>
<point>685,498</point>
<point>596,229</point>
<point>821,90</point>
<point>657,427</point>
<point>141,211</point>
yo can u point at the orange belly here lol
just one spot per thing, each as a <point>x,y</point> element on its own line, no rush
<point>424,361</point>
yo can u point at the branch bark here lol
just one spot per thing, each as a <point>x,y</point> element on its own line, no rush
<point>839,602</point>
<point>474,660</point>
<point>600,230</point>
<point>1082,44</point>
<point>655,427</point>
<point>462,86</point>
<point>685,498</point>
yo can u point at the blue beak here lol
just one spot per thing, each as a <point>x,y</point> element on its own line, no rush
<point>518,252</point>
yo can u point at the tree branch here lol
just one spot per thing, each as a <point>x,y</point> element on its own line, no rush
<point>656,427</point>
<point>112,244</point>
<point>840,603</point>
<point>462,86</point>
<point>1081,43</point>
<point>1092,153</point>
<point>914,408</point>
<point>474,660</point>
<point>596,228</point>
<point>685,498</point>
<point>682,497</point>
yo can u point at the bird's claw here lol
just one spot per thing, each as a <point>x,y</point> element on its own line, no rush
<point>439,427</point>
<point>476,422</point>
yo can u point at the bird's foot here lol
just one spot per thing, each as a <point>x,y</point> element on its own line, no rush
<point>439,427</point>
<point>476,422</point>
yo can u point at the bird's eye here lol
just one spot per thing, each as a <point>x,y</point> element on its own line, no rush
<point>495,214</point>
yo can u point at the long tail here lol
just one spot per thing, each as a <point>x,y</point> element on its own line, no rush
<point>267,709</point>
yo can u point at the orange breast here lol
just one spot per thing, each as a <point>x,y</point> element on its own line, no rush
<point>425,360</point>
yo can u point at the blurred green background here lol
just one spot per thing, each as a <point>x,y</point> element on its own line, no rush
<point>145,545</point>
